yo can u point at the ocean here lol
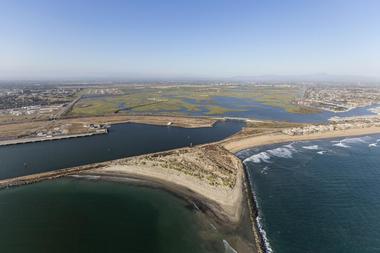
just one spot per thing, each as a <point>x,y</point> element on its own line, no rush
<point>318,196</point>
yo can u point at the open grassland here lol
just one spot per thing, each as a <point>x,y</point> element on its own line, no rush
<point>185,100</point>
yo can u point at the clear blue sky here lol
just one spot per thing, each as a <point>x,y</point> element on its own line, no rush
<point>188,38</point>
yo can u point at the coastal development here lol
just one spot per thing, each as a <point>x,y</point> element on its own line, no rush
<point>208,176</point>
<point>189,126</point>
<point>338,98</point>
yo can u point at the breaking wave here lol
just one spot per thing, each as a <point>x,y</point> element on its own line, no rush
<point>322,152</point>
<point>263,234</point>
<point>344,143</point>
<point>244,153</point>
<point>312,147</point>
<point>265,170</point>
<point>364,139</point>
<point>268,248</point>
<point>281,152</point>
<point>258,158</point>
<point>290,146</point>
<point>374,144</point>
<point>285,151</point>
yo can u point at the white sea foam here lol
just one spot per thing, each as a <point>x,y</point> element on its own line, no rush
<point>281,152</point>
<point>322,152</point>
<point>372,145</point>
<point>364,139</point>
<point>265,170</point>
<point>290,146</point>
<point>268,248</point>
<point>258,158</point>
<point>285,151</point>
<point>342,145</point>
<point>244,153</point>
<point>312,147</point>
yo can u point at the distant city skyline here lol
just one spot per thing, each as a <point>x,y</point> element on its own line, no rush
<point>210,39</point>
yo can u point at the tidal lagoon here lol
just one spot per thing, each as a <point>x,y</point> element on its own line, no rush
<point>250,108</point>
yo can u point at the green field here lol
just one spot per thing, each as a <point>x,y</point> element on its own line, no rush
<point>188,100</point>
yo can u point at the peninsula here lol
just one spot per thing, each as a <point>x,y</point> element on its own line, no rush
<point>209,176</point>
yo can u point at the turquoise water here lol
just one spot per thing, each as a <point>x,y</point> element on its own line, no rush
<point>318,196</point>
<point>70,215</point>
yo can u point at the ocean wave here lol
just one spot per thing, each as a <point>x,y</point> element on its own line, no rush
<point>364,139</point>
<point>312,147</point>
<point>372,145</point>
<point>265,170</point>
<point>322,152</point>
<point>285,151</point>
<point>281,152</point>
<point>258,158</point>
<point>342,145</point>
<point>290,146</point>
<point>268,248</point>
<point>244,153</point>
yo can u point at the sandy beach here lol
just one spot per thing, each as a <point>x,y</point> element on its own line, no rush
<point>169,167</point>
<point>237,143</point>
<point>208,176</point>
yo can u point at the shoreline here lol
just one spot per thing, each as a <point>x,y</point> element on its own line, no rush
<point>53,138</point>
<point>229,208</point>
<point>19,131</point>
<point>161,167</point>
<point>236,234</point>
<point>237,143</point>
<point>254,213</point>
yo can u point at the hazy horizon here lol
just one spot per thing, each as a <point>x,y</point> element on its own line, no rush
<point>197,40</point>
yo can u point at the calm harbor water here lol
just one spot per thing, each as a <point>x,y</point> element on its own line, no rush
<point>71,215</point>
<point>123,140</point>
<point>318,196</point>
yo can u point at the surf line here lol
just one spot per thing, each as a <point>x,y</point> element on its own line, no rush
<point>261,240</point>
